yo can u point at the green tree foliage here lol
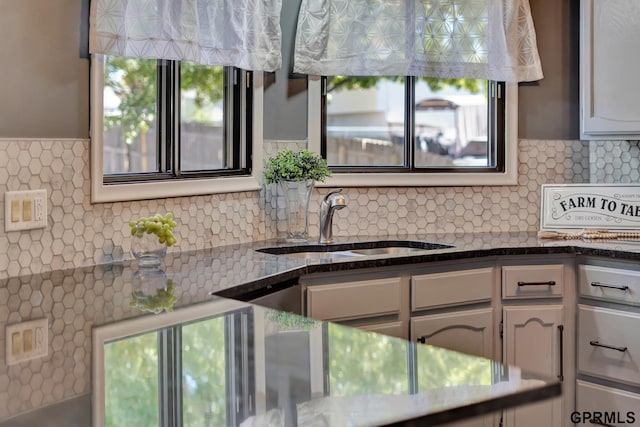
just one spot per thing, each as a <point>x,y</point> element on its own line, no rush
<point>362,363</point>
<point>134,82</point>
<point>203,373</point>
<point>207,82</point>
<point>439,368</point>
<point>131,382</point>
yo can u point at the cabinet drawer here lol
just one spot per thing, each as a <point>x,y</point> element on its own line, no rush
<point>532,281</point>
<point>609,344</point>
<point>609,284</point>
<point>393,329</point>
<point>353,300</point>
<point>451,288</point>
<point>612,403</point>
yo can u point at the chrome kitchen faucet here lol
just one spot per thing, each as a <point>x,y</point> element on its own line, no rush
<point>330,203</point>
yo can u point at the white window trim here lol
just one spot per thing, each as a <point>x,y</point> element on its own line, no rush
<point>101,193</point>
<point>508,177</point>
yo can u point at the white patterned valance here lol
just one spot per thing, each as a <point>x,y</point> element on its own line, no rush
<point>484,39</point>
<point>241,33</point>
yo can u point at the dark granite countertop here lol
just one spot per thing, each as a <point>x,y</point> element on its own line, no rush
<point>77,300</point>
<point>279,369</point>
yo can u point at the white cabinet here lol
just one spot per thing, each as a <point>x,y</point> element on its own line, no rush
<point>538,310</point>
<point>467,331</point>
<point>606,405</point>
<point>609,284</point>
<point>609,36</point>
<point>453,309</point>
<point>353,300</point>
<point>452,288</point>
<point>519,310</point>
<point>373,304</point>
<point>609,344</point>
<point>464,326</point>
<point>608,341</point>
<point>532,281</point>
<point>534,340</point>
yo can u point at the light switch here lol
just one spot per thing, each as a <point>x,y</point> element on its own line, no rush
<point>16,343</point>
<point>15,210</point>
<point>27,341</point>
<point>26,210</point>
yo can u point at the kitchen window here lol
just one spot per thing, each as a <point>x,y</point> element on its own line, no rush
<point>397,131</point>
<point>163,128</point>
<point>387,129</point>
<point>195,373</point>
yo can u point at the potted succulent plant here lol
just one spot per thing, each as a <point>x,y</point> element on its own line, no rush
<point>295,173</point>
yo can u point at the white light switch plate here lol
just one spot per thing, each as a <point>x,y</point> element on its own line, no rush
<point>27,340</point>
<point>16,204</point>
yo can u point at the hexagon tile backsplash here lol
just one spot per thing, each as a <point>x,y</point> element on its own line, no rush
<point>80,233</point>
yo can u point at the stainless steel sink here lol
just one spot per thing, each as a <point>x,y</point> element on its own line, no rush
<point>355,249</point>
<point>321,255</point>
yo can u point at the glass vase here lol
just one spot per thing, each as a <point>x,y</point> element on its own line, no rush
<point>147,249</point>
<point>296,203</point>
<point>152,291</point>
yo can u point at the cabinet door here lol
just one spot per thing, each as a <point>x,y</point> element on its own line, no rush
<point>532,341</point>
<point>608,98</point>
<point>468,331</point>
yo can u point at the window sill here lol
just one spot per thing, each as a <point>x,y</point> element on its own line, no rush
<point>419,180</point>
<point>101,193</point>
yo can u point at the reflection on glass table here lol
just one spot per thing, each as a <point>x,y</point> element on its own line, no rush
<point>227,363</point>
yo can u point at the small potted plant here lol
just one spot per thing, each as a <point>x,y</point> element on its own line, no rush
<point>295,173</point>
<point>151,236</point>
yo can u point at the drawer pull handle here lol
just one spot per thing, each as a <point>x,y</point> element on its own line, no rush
<point>422,340</point>
<point>549,283</point>
<point>597,344</point>
<point>603,285</point>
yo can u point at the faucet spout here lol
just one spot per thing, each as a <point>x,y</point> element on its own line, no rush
<point>330,203</point>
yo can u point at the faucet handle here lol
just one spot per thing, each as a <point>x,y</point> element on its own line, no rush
<point>334,191</point>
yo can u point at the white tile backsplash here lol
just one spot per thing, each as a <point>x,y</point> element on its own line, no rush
<point>81,233</point>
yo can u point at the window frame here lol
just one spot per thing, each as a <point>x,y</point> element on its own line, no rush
<point>157,188</point>
<point>410,179</point>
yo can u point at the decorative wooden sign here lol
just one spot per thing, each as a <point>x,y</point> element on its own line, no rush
<point>596,206</point>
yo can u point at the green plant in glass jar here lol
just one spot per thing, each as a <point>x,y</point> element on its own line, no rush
<point>295,173</point>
